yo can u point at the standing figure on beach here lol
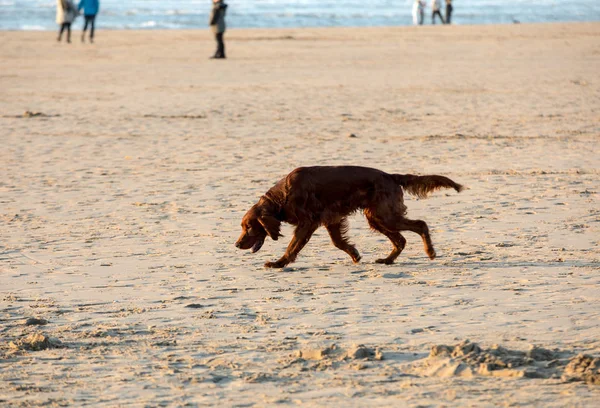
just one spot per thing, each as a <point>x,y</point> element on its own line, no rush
<point>449,9</point>
<point>65,15</point>
<point>217,24</point>
<point>436,6</point>
<point>90,9</point>
<point>418,12</point>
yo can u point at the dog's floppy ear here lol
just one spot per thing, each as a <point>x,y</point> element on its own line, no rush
<point>271,225</point>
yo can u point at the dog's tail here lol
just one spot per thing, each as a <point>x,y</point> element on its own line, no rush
<point>421,186</point>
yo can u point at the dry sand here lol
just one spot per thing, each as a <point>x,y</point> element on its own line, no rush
<point>119,207</point>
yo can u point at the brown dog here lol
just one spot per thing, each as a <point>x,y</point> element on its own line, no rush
<point>309,197</point>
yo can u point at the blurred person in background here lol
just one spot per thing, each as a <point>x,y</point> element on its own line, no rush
<point>418,12</point>
<point>90,9</point>
<point>217,25</point>
<point>65,15</point>
<point>436,6</point>
<point>449,9</point>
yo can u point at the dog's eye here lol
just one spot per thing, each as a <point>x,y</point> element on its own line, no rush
<point>250,231</point>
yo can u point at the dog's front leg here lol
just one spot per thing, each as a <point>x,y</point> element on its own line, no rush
<point>302,235</point>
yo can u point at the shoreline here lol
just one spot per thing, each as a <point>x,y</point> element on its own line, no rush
<point>382,27</point>
<point>78,22</point>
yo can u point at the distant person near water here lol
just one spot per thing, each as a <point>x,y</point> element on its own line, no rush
<point>449,9</point>
<point>418,12</point>
<point>435,11</point>
<point>65,15</point>
<point>90,9</point>
<point>217,24</point>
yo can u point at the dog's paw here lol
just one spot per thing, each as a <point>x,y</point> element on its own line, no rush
<point>384,261</point>
<point>277,264</point>
<point>431,254</point>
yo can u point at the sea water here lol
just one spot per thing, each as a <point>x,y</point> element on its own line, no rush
<point>193,14</point>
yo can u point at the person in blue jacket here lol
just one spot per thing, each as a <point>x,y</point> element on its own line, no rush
<point>90,9</point>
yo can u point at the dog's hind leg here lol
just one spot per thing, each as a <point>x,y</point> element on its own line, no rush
<point>398,241</point>
<point>302,235</point>
<point>419,227</point>
<point>388,215</point>
<point>337,232</point>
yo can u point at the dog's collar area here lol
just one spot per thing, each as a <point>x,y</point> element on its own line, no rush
<point>279,214</point>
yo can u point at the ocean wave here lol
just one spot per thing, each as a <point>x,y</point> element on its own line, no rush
<point>180,13</point>
<point>32,27</point>
<point>319,16</point>
<point>150,25</point>
<point>171,12</point>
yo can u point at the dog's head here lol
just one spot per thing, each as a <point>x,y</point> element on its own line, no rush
<point>258,223</point>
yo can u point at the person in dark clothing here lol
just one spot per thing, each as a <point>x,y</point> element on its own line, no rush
<point>435,11</point>
<point>89,19</point>
<point>90,9</point>
<point>217,25</point>
<point>449,9</point>
<point>63,27</point>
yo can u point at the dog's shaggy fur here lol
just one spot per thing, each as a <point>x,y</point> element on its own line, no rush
<point>309,197</point>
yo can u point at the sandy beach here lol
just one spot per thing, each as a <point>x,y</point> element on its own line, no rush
<point>127,165</point>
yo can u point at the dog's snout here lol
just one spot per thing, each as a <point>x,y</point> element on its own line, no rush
<point>237,244</point>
